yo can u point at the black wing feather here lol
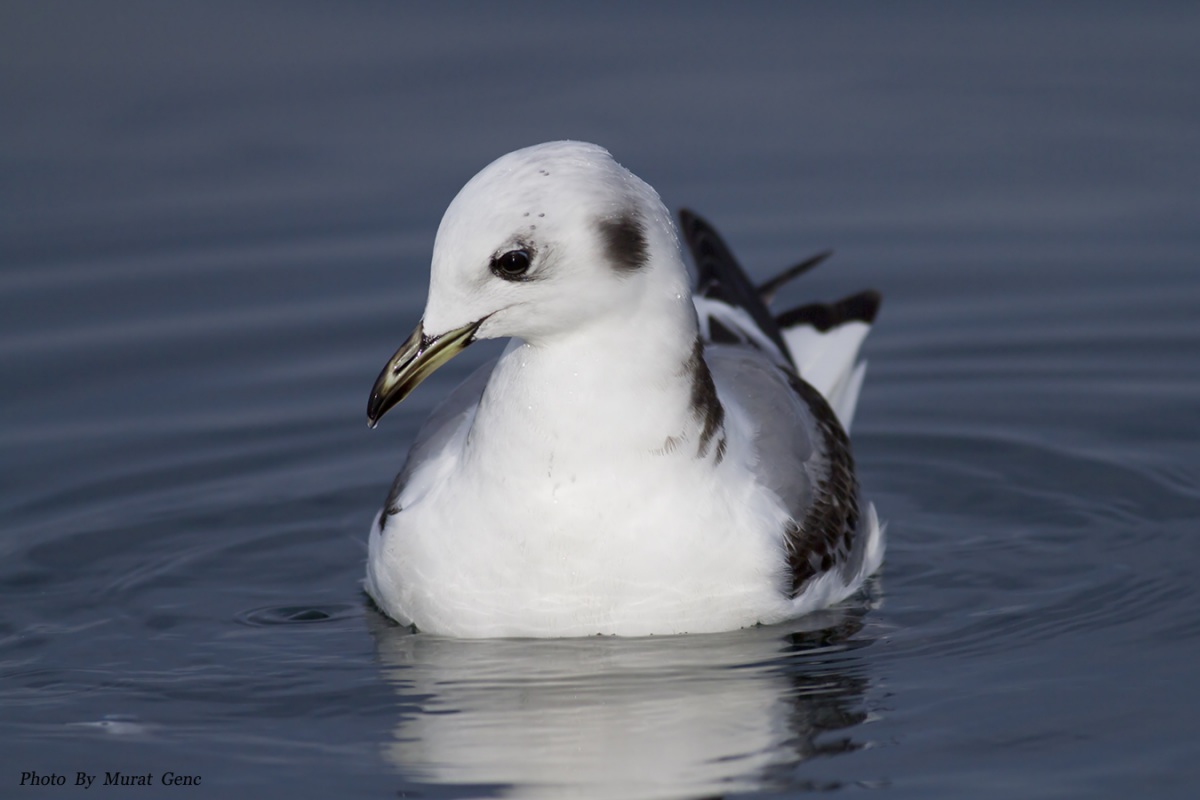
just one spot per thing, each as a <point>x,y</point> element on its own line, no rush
<point>720,277</point>
<point>768,289</point>
<point>860,307</point>
<point>825,537</point>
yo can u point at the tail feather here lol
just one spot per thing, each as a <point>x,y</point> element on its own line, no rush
<point>767,289</point>
<point>824,340</point>
<point>859,307</point>
<point>721,277</point>
<point>828,361</point>
<point>820,341</point>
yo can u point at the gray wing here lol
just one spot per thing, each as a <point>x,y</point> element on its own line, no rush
<point>803,456</point>
<point>443,424</point>
<point>804,453</point>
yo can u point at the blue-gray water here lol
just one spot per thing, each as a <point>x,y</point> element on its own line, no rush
<point>216,221</point>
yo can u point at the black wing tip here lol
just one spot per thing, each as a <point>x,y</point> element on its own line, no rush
<point>864,305</point>
<point>690,226</point>
<point>860,307</point>
<point>721,277</point>
<point>767,289</point>
<point>707,246</point>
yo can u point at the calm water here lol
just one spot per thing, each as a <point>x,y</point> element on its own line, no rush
<point>216,226</point>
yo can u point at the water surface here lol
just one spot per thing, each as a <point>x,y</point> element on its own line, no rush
<point>216,228</point>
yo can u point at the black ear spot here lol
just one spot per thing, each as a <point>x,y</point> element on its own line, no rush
<point>624,238</point>
<point>512,266</point>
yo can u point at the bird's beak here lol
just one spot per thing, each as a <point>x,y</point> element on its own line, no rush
<point>415,361</point>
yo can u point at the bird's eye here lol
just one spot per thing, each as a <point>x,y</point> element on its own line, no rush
<point>511,266</point>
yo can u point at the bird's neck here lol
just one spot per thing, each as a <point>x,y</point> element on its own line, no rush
<point>617,385</point>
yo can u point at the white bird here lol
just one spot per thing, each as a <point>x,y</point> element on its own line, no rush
<point>639,460</point>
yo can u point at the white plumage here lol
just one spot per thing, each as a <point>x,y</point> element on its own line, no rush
<point>638,460</point>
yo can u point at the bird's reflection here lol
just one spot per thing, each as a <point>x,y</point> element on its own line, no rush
<point>659,717</point>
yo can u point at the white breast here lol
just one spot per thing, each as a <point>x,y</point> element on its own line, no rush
<point>562,541</point>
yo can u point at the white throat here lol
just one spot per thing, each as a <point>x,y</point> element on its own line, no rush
<point>617,385</point>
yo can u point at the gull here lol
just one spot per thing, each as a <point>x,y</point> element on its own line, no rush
<point>641,459</point>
